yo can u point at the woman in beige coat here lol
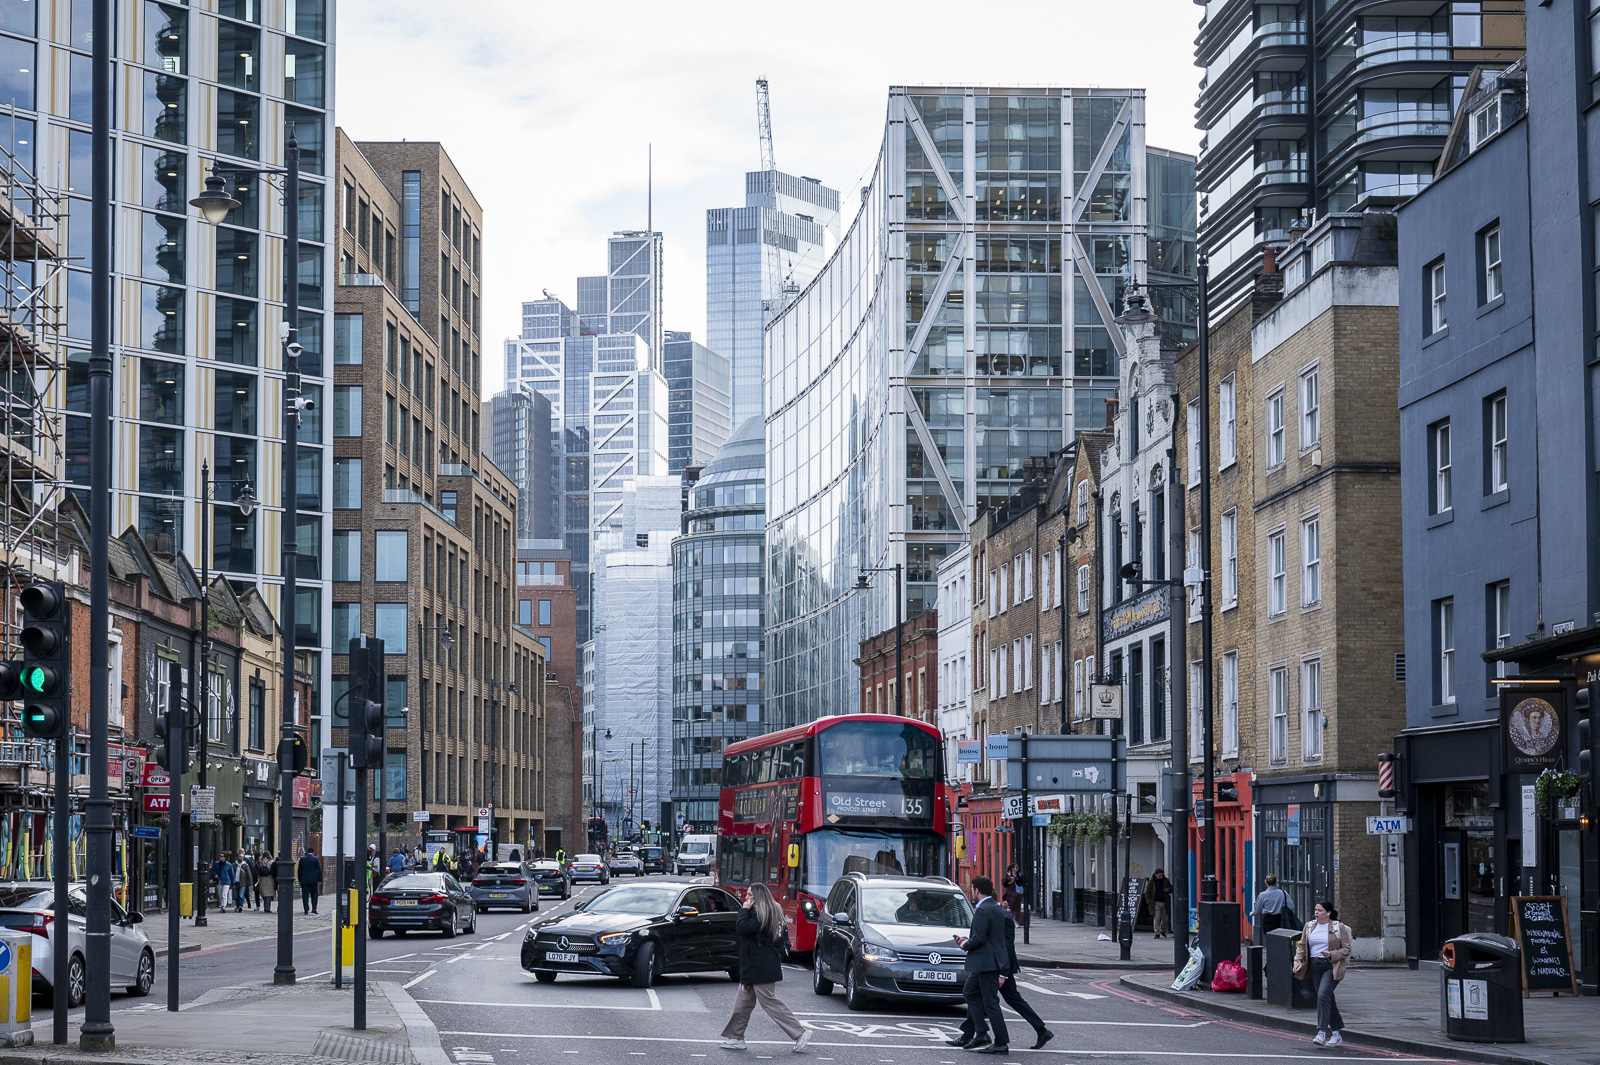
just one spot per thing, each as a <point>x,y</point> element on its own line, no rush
<point>1320,957</point>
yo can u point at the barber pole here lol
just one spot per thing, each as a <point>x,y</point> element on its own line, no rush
<point>1386,776</point>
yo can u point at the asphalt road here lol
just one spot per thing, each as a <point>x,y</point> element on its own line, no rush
<point>490,1012</point>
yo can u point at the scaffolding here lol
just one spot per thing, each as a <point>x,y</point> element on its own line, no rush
<point>33,389</point>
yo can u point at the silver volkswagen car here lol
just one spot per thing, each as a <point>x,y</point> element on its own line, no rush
<point>29,906</point>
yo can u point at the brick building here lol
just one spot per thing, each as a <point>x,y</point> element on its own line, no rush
<point>1306,574</point>
<point>919,658</point>
<point>547,604</point>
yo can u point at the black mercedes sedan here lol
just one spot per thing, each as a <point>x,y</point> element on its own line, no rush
<point>638,933</point>
<point>423,902</point>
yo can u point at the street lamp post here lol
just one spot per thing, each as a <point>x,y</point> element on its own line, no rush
<point>445,640</point>
<point>246,504</point>
<point>597,799</point>
<point>214,204</point>
<point>494,763</point>
<point>862,584</point>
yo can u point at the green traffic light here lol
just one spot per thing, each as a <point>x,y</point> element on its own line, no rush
<point>41,680</point>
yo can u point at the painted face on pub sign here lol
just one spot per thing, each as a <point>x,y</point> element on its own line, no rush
<point>1533,727</point>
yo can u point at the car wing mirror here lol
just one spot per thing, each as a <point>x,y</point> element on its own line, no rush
<point>843,918</point>
<point>135,917</point>
<point>685,911</point>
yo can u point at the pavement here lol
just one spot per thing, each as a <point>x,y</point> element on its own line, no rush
<point>1398,1009</point>
<point>1058,945</point>
<point>228,928</point>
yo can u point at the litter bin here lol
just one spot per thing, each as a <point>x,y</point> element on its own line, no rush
<point>1480,989</point>
<point>1281,984</point>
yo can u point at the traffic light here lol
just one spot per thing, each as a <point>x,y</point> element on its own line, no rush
<point>1227,791</point>
<point>1588,736</point>
<point>299,754</point>
<point>45,708</point>
<point>173,752</point>
<point>367,713</point>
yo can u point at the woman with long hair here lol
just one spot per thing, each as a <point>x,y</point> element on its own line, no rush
<point>1321,956</point>
<point>763,941</point>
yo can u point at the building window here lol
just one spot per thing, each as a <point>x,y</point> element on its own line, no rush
<point>1194,445</point>
<point>1310,408</point>
<point>346,554</point>
<point>524,611</point>
<point>1193,590</point>
<point>544,611</point>
<point>1278,709</point>
<point>1436,315</point>
<point>1444,638</point>
<point>1230,705</point>
<point>1158,690</point>
<point>1498,474</point>
<point>347,483</point>
<point>1439,453</point>
<point>1027,663</point>
<point>1500,614</point>
<point>1083,503</point>
<point>389,625</point>
<point>1311,709</point>
<point>1077,688</point>
<point>390,553</point>
<point>1083,589</point>
<point>258,715</point>
<point>1196,711</point>
<point>1311,562</point>
<point>1491,287</point>
<point>1277,574</point>
<point>1275,433</point>
<point>1230,559</point>
<point>1227,429</point>
<point>1486,121</point>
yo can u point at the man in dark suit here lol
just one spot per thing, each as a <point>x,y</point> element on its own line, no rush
<point>988,960</point>
<point>1013,994</point>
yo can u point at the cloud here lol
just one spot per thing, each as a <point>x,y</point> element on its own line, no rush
<point>547,108</point>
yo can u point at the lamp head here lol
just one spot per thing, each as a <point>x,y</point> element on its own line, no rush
<point>862,583</point>
<point>446,640</point>
<point>247,501</point>
<point>214,202</point>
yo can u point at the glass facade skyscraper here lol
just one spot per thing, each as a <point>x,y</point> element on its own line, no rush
<point>904,391</point>
<point>718,610</point>
<point>628,298</point>
<point>698,402</point>
<point>521,441</point>
<point>794,220</point>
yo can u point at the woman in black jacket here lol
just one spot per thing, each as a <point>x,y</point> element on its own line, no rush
<point>763,940</point>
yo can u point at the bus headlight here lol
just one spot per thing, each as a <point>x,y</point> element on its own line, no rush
<point>808,908</point>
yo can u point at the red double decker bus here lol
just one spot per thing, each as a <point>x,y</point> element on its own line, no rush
<point>802,807</point>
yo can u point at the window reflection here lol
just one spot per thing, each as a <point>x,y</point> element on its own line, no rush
<point>237,50</point>
<point>163,181</point>
<point>166,33</point>
<point>166,116</point>
<point>238,124</point>
<point>303,73</point>
<point>237,251</point>
<point>161,319</point>
<point>160,459</point>
<point>235,336</point>
<point>163,239</point>
<point>16,70</point>
<point>235,402</point>
<point>160,391</point>
<point>161,524</point>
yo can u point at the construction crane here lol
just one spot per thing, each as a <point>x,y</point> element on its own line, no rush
<point>779,286</point>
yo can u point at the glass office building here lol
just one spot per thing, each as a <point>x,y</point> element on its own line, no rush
<point>718,609</point>
<point>628,298</point>
<point>757,258</point>
<point>964,325</point>
<point>698,401</point>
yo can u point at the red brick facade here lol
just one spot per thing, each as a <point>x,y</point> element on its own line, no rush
<point>919,653</point>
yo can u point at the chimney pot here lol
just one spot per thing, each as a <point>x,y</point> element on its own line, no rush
<point>1269,260</point>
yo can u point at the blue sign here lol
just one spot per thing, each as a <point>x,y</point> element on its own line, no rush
<point>968,752</point>
<point>144,832</point>
<point>1294,825</point>
<point>1039,820</point>
<point>996,747</point>
<point>5,956</point>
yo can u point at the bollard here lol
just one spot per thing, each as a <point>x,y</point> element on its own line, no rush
<point>344,936</point>
<point>185,899</point>
<point>16,989</point>
<point>1254,965</point>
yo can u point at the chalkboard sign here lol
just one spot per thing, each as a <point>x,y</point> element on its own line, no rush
<point>1539,925</point>
<point>1132,890</point>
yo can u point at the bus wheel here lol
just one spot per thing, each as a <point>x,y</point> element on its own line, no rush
<point>819,983</point>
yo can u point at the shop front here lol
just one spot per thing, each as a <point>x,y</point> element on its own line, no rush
<point>260,804</point>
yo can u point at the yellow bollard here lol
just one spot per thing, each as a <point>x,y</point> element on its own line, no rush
<point>16,989</point>
<point>186,899</point>
<point>344,934</point>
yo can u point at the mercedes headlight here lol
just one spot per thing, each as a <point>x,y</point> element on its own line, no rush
<point>615,939</point>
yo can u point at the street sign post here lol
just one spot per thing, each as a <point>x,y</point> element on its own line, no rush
<point>202,803</point>
<point>419,816</point>
<point>144,832</point>
<point>1062,764</point>
<point>1388,826</point>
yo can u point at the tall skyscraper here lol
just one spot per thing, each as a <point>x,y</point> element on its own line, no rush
<point>522,445</point>
<point>198,307</point>
<point>697,402</point>
<point>628,298</point>
<point>1366,129</point>
<point>787,225</point>
<point>906,392</point>
<point>628,410</point>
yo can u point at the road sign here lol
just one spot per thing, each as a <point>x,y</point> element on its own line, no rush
<point>1013,807</point>
<point>1058,764</point>
<point>1105,702</point>
<point>202,803</point>
<point>419,815</point>
<point>155,777</point>
<point>330,774</point>
<point>1048,804</point>
<point>144,832</point>
<point>157,802</point>
<point>1040,820</point>
<point>1387,826</point>
<point>484,811</point>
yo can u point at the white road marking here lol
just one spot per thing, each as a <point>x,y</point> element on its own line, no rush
<point>418,980</point>
<point>655,1001</point>
<point>1269,1056</point>
<point>654,1007</point>
<point>952,1021</point>
<point>1064,994</point>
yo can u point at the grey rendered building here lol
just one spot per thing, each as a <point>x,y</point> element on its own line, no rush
<point>1499,498</point>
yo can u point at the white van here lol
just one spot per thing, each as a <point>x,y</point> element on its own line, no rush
<point>697,856</point>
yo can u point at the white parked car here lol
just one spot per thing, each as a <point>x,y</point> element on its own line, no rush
<point>29,906</point>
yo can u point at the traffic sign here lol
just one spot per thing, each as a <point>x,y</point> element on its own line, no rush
<point>419,815</point>
<point>145,831</point>
<point>484,811</point>
<point>202,803</point>
<point>1013,807</point>
<point>1040,820</point>
<point>1388,826</point>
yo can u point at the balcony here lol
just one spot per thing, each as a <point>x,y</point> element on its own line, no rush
<point>370,280</point>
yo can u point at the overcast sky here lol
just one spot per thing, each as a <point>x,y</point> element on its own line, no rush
<point>547,107</point>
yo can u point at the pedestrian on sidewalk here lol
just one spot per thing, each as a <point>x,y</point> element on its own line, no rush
<point>397,862</point>
<point>309,872</point>
<point>419,858</point>
<point>222,873</point>
<point>763,940</point>
<point>244,881</point>
<point>1158,899</point>
<point>1272,909</point>
<point>266,881</point>
<point>987,960</point>
<point>1321,957</point>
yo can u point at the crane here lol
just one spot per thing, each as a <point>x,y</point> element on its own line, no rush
<point>777,286</point>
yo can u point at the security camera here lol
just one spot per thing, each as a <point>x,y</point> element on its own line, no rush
<point>304,403</point>
<point>283,330</point>
<point>295,349</point>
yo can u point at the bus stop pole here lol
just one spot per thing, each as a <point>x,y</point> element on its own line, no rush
<point>1024,834</point>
